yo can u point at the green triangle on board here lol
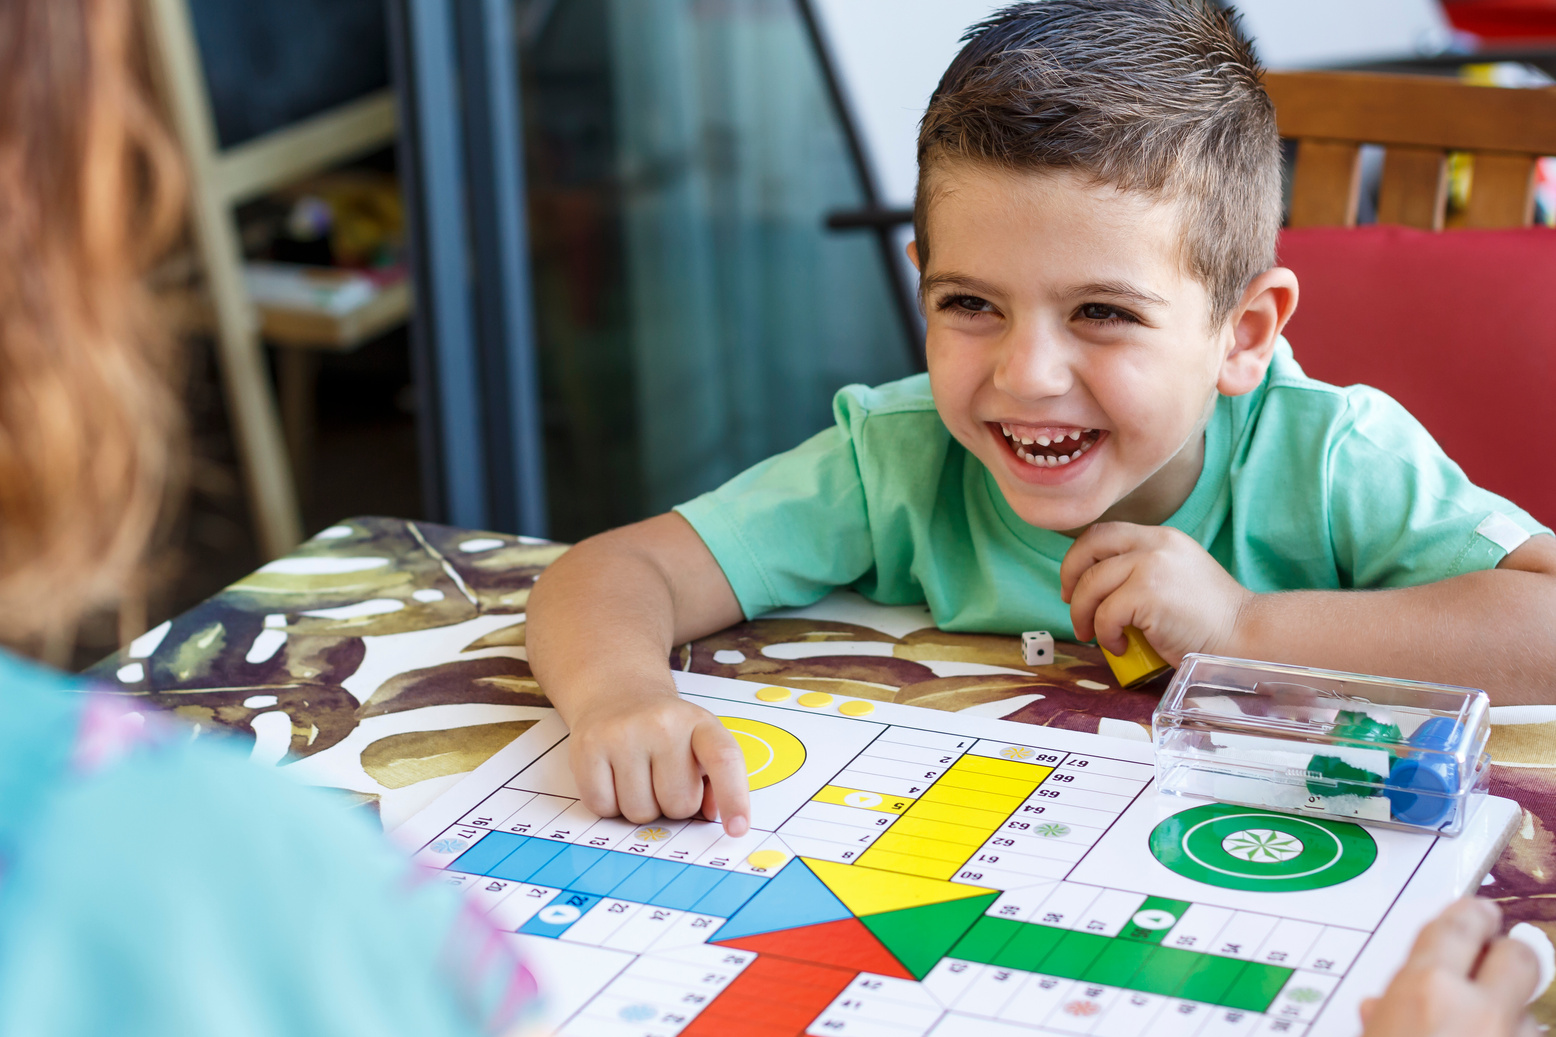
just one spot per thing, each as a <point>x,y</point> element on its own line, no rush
<point>921,936</point>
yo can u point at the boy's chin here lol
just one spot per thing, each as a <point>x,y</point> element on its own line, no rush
<point>1066,516</point>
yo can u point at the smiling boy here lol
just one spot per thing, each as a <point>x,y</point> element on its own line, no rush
<point>1112,431</point>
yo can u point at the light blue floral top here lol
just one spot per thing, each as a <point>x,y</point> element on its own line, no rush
<point>152,885</point>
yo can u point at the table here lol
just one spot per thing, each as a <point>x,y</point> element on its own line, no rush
<point>386,658</point>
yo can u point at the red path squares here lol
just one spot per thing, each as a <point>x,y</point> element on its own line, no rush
<point>773,997</point>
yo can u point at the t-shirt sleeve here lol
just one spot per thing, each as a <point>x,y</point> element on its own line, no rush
<point>1402,513</point>
<point>794,527</point>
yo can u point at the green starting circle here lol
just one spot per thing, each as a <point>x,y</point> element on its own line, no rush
<point>1242,848</point>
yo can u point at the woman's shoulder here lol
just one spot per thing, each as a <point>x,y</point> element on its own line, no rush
<point>156,867</point>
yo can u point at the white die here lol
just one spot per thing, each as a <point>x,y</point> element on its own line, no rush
<point>1037,647</point>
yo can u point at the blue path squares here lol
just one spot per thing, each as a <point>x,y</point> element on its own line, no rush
<point>688,887</point>
<point>529,858</point>
<point>486,853</point>
<point>725,898</point>
<point>609,872</point>
<point>586,874</point>
<point>644,884</point>
<point>563,869</point>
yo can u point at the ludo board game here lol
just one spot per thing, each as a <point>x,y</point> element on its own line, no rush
<point>912,872</point>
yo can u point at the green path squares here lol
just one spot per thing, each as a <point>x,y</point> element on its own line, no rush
<point>1165,970</point>
<point>1118,963</point>
<point>1210,978</point>
<point>1255,987</point>
<point>1029,947</point>
<point>921,936</point>
<point>1242,848</point>
<point>1073,955</point>
<point>987,938</point>
<point>1121,961</point>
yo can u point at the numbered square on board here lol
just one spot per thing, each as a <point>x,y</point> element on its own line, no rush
<point>1037,647</point>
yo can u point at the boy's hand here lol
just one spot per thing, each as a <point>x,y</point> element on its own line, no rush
<point>1156,578</point>
<point>654,753</point>
<point>1460,979</point>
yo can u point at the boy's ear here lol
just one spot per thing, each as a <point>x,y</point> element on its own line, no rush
<point>913,256</point>
<point>1267,304</point>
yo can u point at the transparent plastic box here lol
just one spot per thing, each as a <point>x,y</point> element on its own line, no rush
<point>1401,754</point>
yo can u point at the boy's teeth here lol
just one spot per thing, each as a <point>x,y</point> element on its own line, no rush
<point>1076,434</point>
<point>1041,441</point>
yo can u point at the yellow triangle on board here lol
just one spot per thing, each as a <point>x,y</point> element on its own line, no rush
<point>869,891</point>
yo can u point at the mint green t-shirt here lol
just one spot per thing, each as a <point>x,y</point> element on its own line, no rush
<point>1305,486</point>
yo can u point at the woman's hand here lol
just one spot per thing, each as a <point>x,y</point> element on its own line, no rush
<point>1461,980</point>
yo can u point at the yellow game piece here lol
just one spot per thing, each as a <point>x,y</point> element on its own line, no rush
<point>773,694</point>
<point>857,708</point>
<point>815,699</point>
<point>767,860</point>
<point>772,754</point>
<point>1138,664</point>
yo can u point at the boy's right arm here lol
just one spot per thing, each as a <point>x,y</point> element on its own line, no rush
<point>602,622</point>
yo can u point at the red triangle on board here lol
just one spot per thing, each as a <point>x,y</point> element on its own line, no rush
<point>845,943</point>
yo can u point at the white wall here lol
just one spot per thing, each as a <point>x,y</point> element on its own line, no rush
<point>890,54</point>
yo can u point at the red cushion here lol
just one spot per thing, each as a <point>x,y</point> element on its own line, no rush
<point>1460,327</point>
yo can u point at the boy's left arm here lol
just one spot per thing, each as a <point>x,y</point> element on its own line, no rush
<point>1494,629</point>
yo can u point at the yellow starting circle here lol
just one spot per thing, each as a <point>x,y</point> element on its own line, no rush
<point>772,754</point>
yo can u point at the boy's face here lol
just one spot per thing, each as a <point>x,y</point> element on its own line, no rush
<point>1068,348</point>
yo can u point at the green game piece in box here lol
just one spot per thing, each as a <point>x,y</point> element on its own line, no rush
<point>1255,987</point>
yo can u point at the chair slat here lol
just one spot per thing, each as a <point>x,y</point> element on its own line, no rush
<point>1417,110</point>
<point>1325,184</point>
<point>1414,191</point>
<point>1501,191</point>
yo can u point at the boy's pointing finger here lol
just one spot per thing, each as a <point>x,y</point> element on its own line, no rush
<point>725,766</point>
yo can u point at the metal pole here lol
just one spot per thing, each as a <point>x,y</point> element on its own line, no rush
<point>432,153</point>
<point>500,240</point>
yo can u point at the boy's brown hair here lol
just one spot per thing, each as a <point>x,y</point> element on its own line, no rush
<point>1158,96</point>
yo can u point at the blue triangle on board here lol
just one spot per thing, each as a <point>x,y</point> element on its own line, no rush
<point>791,898</point>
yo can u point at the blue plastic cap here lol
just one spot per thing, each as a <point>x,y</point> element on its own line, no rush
<point>1437,733</point>
<point>1421,787</point>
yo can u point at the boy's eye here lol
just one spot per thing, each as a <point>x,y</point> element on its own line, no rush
<point>1102,312</point>
<point>966,303</point>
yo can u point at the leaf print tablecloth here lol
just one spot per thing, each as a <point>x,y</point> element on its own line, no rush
<point>386,658</point>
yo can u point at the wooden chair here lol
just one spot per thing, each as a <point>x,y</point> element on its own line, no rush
<point>221,179</point>
<point>1417,120</point>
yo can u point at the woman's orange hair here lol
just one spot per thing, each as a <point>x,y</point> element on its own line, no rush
<point>90,193</point>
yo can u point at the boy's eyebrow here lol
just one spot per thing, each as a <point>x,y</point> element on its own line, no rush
<point>964,282</point>
<point>1119,290</point>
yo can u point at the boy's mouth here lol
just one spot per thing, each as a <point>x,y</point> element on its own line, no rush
<point>1049,446</point>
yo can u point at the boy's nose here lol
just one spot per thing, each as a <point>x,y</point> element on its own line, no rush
<point>1035,365</point>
